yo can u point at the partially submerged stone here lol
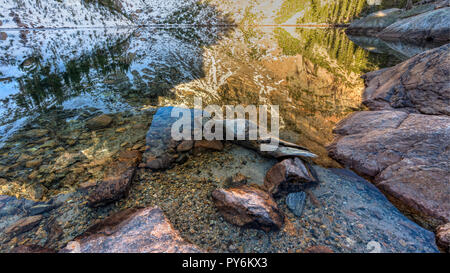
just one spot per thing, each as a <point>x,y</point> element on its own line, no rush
<point>99,122</point>
<point>145,230</point>
<point>23,225</point>
<point>287,176</point>
<point>117,181</point>
<point>248,206</point>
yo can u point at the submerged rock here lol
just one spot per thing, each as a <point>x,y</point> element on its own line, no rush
<point>204,145</point>
<point>287,176</point>
<point>117,181</point>
<point>132,230</point>
<point>23,225</point>
<point>32,249</point>
<point>318,249</point>
<point>248,206</point>
<point>296,202</point>
<point>361,213</point>
<point>400,87</point>
<point>99,122</point>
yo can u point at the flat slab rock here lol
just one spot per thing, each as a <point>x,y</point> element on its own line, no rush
<point>407,154</point>
<point>361,213</point>
<point>117,181</point>
<point>145,230</point>
<point>248,206</point>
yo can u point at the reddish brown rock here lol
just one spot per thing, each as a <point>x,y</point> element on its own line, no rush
<point>248,207</point>
<point>185,146</point>
<point>3,36</point>
<point>160,163</point>
<point>401,87</point>
<point>134,230</point>
<point>99,122</point>
<point>32,249</point>
<point>117,181</point>
<point>443,237</point>
<point>203,145</point>
<point>408,157</point>
<point>287,176</point>
<point>23,225</point>
<point>318,249</point>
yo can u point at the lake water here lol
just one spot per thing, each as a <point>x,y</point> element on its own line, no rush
<point>53,81</point>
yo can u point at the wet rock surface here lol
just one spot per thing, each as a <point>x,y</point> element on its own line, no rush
<point>132,231</point>
<point>287,176</point>
<point>248,207</point>
<point>399,87</point>
<point>405,148</point>
<point>405,156</point>
<point>296,202</point>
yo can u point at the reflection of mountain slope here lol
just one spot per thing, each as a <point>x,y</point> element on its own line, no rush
<point>257,68</point>
<point>100,13</point>
<point>100,68</point>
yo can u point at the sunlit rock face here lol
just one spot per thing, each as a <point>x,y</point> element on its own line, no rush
<point>132,231</point>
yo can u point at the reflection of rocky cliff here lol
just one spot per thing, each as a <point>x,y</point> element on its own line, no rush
<point>313,87</point>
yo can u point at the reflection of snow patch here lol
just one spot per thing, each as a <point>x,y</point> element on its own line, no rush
<point>9,129</point>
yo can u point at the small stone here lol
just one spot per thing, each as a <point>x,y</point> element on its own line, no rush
<point>185,146</point>
<point>318,249</point>
<point>296,202</point>
<point>99,122</point>
<point>40,209</point>
<point>23,225</point>
<point>204,145</point>
<point>36,133</point>
<point>33,163</point>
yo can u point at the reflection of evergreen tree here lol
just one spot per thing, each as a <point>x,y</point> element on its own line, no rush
<point>338,47</point>
<point>316,11</point>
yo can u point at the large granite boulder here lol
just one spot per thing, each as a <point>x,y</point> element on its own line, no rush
<point>429,26</point>
<point>407,154</point>
<point>248,207</point>
<point>375,22</point>
<point>401,87</point>
<point>133,230</point>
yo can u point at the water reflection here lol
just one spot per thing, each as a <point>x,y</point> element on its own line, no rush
<point>53,81</point>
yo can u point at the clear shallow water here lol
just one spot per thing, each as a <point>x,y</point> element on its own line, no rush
<point>53,81</point>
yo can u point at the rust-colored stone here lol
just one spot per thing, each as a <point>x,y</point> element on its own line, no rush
<point>248,207</point>
<point>287,175</point>
<point>117,181</point>
<point>203,145</point>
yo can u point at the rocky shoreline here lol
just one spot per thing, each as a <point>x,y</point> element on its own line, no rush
<point>205,203</point>
<point>402,142</point>
<point>427,22</point>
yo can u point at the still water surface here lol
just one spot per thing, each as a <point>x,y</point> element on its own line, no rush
<point>53,81</point>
